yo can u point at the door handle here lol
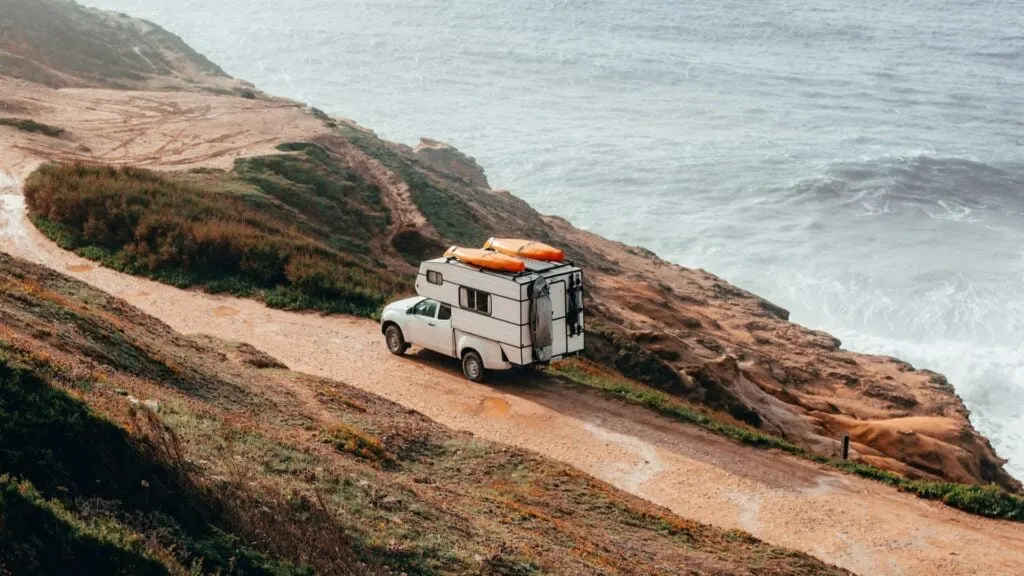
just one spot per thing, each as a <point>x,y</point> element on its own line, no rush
<point>431,324</point>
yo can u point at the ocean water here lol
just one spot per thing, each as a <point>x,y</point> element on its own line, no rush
<point>860,163</point>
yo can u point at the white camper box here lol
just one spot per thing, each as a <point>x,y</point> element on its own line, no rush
<point>511,319</point>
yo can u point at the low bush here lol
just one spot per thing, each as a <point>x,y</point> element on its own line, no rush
<point>990,501</point>
<point>291,229</point>
<point>26,125</point>
<point>353,440</point>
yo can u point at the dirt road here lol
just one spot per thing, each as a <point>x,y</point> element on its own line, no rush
<point>860,525</point>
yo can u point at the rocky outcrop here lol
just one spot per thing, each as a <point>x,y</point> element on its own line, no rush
<point>737,353</point>
<point>447,158</point>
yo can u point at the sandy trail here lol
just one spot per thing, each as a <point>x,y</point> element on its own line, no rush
<point>860,525</point>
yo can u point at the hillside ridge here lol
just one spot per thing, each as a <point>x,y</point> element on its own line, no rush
<point>62,44</point>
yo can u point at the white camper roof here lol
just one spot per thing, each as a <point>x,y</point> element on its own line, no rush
<point>534,268</point>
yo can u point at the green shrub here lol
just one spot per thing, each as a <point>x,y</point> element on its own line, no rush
<point>293,228</point>
<point>230,285</point>
<point>26,125</point>
<point>352,440</point>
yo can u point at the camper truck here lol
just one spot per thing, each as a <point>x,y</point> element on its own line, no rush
<point>513,303</point>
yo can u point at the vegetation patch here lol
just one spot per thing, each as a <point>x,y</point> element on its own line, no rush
<point>292,229</point>
<point>450,214</point>
<point>991,501</point>
<point>352,440</point>
<point>32,528</point>
<point>26,125</point>
<point>64,44</point>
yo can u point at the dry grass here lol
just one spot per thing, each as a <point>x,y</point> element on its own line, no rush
<point>352,440</point>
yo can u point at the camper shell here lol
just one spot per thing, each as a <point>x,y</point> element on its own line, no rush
<point>509,318</point>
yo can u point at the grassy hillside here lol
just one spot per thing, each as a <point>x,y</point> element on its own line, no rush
<point>296,230</point>
<point>60,43</point>
<point>129,449</point>
<point>452,215</point>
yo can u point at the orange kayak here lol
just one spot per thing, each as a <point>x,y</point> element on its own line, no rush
<point>486,259</point>
<point>525,248</point>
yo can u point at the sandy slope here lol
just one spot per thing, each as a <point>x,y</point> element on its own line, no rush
<point>162,130</point>
<point>857,524</point>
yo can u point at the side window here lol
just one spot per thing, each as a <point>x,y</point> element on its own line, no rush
<point>471,299</point>
<point>426,308</point>
<point>430,309</point>
<point>435,277</point>
<point>445,313</point>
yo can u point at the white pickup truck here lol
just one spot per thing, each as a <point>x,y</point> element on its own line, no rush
<point>487,319</point>
<point>428,324</point>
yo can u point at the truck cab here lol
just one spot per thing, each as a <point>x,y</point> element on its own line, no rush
<point>427,323</point>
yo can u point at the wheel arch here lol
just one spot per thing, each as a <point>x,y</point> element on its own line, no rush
<point>387,324</point>
<point>490,351</point>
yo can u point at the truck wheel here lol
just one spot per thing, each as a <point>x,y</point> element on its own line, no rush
<point>395,340</point>
<point>473,366</point>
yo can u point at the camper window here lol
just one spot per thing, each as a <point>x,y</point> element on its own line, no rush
<point>435,277</point>
<point>476,300</point>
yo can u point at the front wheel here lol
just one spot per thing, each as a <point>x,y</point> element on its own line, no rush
<point>395,340</point>
<point>473,366</point>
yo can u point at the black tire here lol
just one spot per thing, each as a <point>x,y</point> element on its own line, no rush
<point>473,366</point>
<point>395,340</point>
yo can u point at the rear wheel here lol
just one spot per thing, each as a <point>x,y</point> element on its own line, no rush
<point>395,340</point>
<point>473,366</point>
